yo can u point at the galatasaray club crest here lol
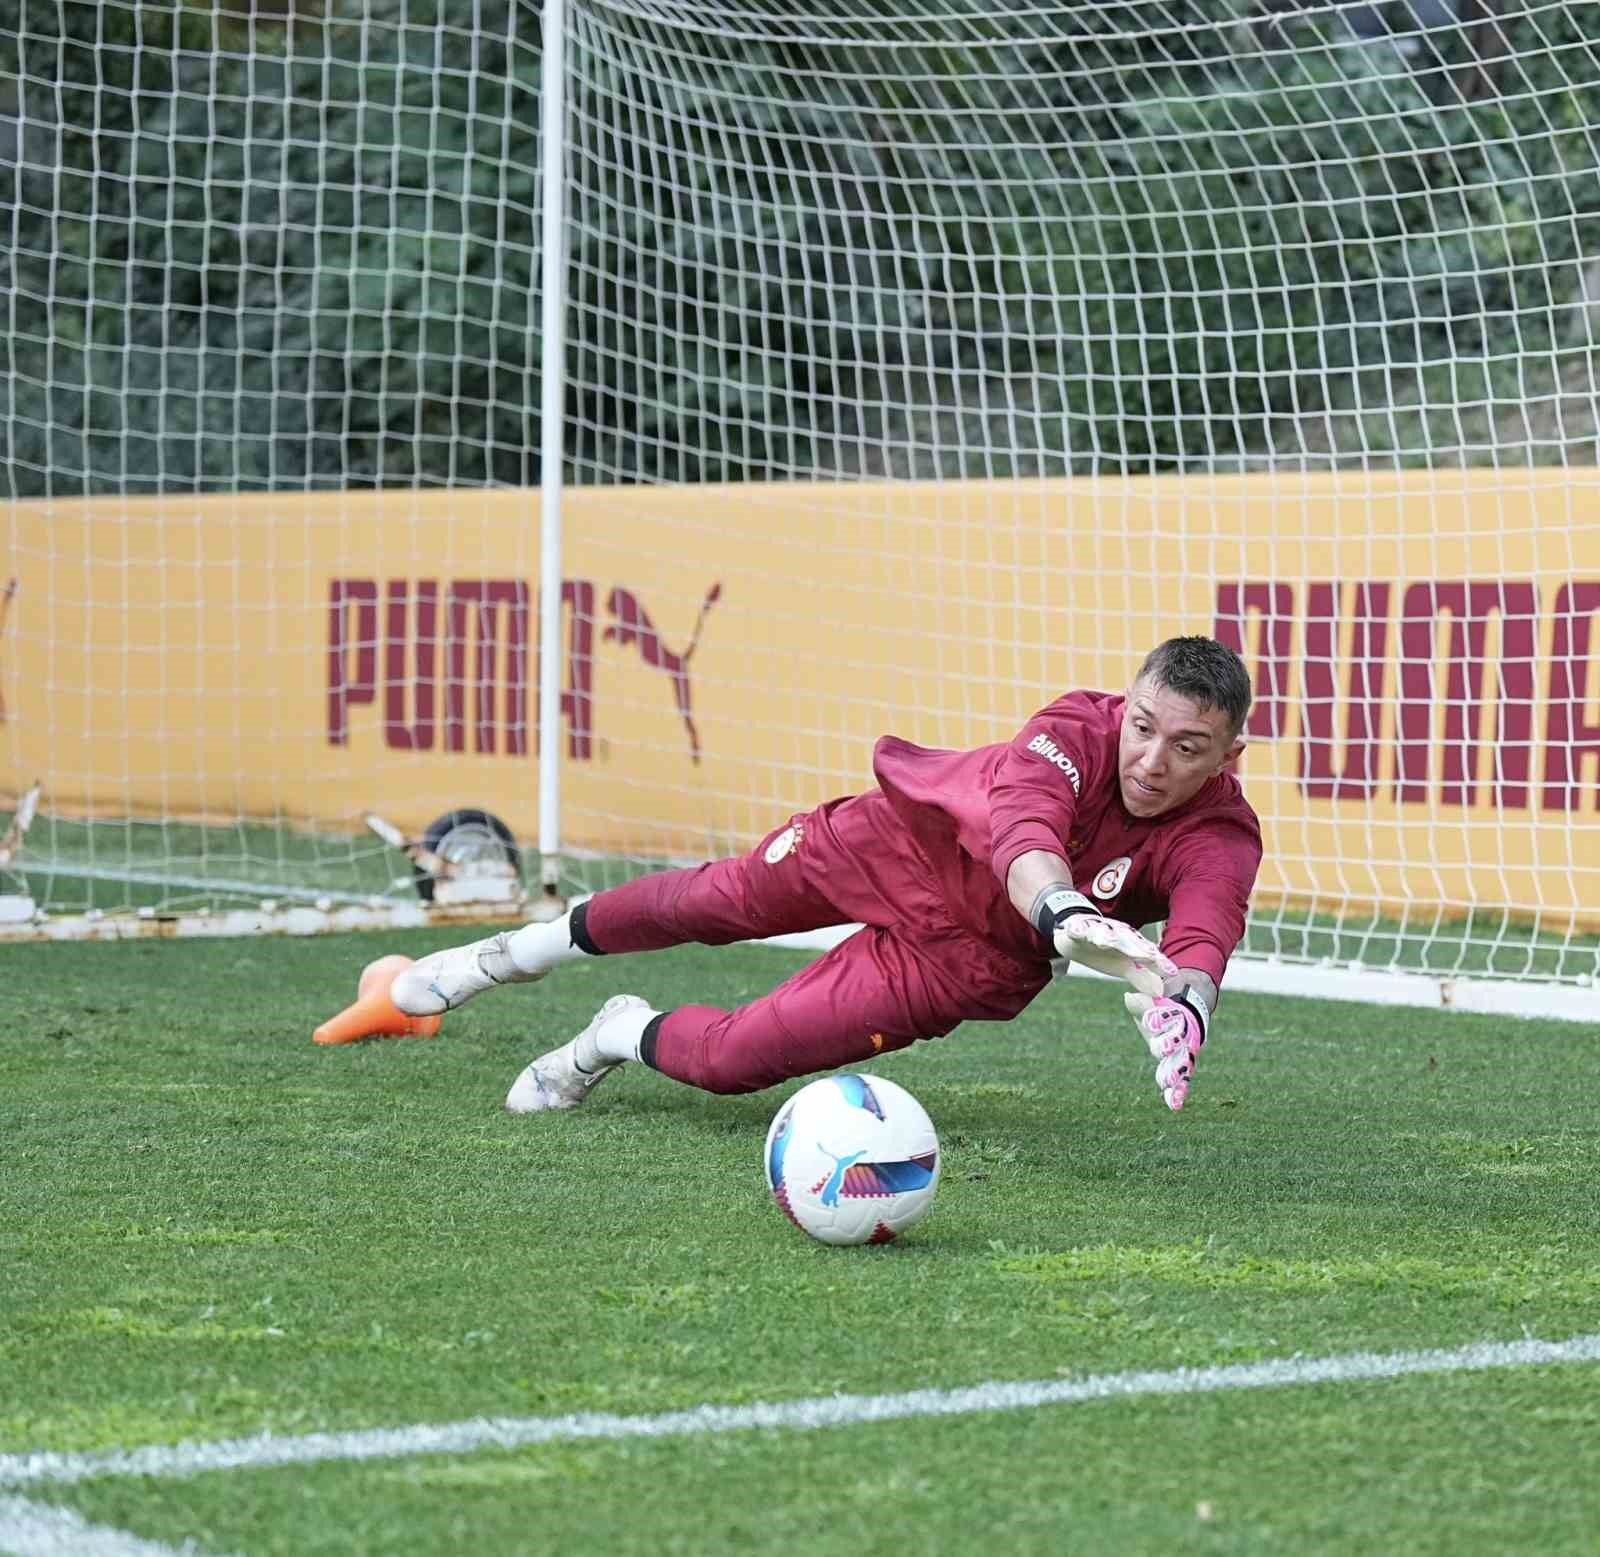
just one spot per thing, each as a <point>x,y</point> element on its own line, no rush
<point>783,845</point>
<point>1109,882</point>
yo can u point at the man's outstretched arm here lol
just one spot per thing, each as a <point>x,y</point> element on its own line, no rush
<point>1172,1005</point>
<point>1039,886</point>
<point>1035,875</point>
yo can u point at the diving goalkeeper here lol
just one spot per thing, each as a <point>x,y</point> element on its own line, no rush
<point>972,874</point>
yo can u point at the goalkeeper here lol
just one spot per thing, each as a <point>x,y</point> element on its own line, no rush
<point>971,873</point>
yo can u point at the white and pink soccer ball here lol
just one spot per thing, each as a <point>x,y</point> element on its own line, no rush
<point>853,1159</point>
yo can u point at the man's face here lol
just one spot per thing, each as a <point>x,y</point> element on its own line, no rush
<point>1168,748</point>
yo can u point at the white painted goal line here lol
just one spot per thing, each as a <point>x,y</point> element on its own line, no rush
<point>268,1450</point>
<point>30,1529</point>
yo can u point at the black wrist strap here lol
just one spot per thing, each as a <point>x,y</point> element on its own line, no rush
<point>1191,998</point>
<point>1057,902</point>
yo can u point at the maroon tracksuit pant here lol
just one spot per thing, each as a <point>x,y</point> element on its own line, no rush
<point>911,972</point>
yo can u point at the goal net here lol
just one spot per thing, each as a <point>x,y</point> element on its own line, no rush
<point>924,358</point>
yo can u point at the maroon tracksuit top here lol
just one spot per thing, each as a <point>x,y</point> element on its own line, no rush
<point>921,863</point>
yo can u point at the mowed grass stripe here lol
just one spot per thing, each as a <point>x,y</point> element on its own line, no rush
<point>191,1459</point>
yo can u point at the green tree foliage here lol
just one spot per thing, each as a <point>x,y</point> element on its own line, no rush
<point>304,252</point>
<point>274,255</point>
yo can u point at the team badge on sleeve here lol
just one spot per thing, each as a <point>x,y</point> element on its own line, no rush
<point>783,845</point>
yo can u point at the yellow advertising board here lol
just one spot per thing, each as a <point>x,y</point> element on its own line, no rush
<point>1424,646</point>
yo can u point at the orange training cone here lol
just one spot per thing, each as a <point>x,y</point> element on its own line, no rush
<point>374,1014</point>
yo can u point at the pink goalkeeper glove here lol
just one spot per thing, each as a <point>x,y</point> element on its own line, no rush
<point>1112,947</point>
<point>1174,1029</point>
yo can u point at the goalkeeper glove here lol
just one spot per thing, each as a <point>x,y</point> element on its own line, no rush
<point>1109,946</point>
<point>1174,1029</point>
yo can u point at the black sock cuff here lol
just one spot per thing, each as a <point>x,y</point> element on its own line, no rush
<point>647,1039</point>
<point>578,929</point>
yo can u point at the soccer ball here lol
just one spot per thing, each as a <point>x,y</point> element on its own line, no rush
<point>853,1159</point>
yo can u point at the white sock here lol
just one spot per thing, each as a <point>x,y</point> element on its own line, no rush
<point>617,1040</point>
<point>538,947</point>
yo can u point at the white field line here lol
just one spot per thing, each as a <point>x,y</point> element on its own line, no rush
<point>192,1459</point>
<point>37,1530</point>
<point>161,878</point>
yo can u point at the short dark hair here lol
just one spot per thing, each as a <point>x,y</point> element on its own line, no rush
<point>1206,672</point>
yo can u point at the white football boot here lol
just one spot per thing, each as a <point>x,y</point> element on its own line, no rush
<point>444,980</point>
<point>564,1077</point>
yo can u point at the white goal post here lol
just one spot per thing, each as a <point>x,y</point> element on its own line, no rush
<point>608,418</point>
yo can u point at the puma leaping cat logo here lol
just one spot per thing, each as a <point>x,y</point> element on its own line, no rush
<point>632,625</point>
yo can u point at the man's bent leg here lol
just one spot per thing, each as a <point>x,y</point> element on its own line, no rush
<point>766,892</point>
<point>878,991</point>
<point>870,995</point>
<point>565,1077</point>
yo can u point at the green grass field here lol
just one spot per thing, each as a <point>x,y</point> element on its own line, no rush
<point>212,1229</point>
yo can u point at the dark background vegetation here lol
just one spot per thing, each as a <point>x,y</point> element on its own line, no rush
<point>280,249</point>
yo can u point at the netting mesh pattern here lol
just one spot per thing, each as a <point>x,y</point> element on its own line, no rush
<point>949,240</point>
<point>862,245</point>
